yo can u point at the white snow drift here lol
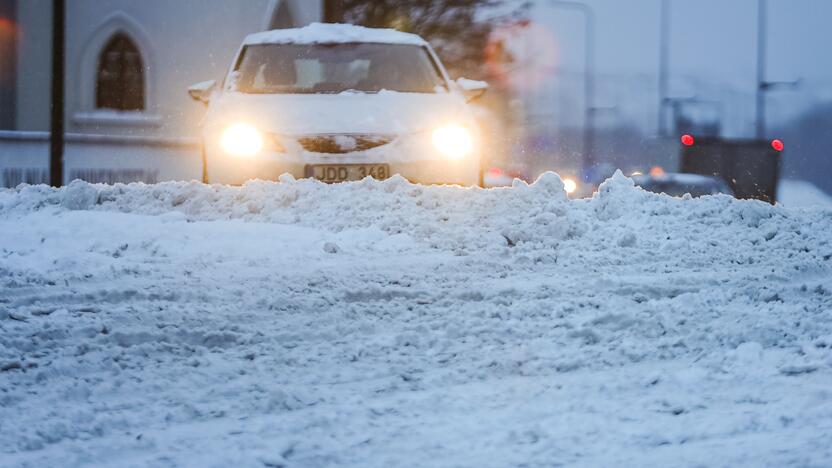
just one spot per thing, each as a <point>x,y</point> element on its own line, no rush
<point>391,324</point>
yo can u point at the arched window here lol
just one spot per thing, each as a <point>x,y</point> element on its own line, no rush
<point>119,82</point>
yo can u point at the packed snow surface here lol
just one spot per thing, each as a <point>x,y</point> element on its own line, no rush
<point>320,33</point>
<point>379,324</point>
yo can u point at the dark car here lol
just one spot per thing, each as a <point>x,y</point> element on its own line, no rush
<point>677,185</point>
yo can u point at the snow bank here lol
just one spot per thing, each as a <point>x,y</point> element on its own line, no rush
<point>531,217</point>
<point>392,324</point>
<point>320,33</point>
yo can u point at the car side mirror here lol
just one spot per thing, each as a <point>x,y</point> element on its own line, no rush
<point>472,89</point>
<point>202,91</point>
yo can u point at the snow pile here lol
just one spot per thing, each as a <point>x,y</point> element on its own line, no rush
<point>531,217</point>
<point>392,324</point>
<point>320,33</point>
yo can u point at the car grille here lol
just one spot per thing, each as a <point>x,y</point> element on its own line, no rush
<point>342,143</point>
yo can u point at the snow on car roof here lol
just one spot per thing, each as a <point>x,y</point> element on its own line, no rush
<point>319,33</point>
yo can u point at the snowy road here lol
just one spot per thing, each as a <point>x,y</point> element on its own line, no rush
<point>388,324</point>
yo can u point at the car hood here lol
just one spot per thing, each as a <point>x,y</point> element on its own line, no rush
<point>379,113</point>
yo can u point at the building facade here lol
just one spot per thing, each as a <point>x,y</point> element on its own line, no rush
<point>128,67</point>
<point>128,63</point>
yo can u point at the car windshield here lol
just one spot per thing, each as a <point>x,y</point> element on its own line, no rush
<point>335,68</point>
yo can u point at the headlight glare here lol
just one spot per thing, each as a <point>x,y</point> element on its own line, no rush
<point>241,140</point>
<point>453,141</point>
<point>569,185</point>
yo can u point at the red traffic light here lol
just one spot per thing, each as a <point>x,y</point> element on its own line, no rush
<point>687,140</point>
<point>777,145</point>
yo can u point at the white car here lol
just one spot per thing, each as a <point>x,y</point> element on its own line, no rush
<point>339,102</point>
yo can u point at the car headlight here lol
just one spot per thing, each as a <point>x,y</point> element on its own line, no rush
<point>453,141</point>
<point>569,185</point>
<point>241,140</point>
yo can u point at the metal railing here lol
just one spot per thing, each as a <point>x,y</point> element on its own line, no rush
<point>116,140</point>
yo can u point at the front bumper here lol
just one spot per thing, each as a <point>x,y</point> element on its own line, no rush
<point>418,163</point>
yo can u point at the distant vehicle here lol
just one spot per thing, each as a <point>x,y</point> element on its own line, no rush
<point>750,167</point>
<point>339,102</point>
<point>497,177</point>
<point>677,185</point>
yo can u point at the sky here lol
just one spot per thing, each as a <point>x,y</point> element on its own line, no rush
<point>713,56</point>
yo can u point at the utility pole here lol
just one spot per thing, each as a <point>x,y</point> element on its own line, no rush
<point>761,68</point>
<point>56,140</point>
<point>664,65</point>
<point>764,86</point>
<point>589,78</point>
<point>589,91</point>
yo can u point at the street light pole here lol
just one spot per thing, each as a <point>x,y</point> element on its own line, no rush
<point>589,77</point>
<point>761,68</point>
<point>56,140</point>
<point>664,65</point>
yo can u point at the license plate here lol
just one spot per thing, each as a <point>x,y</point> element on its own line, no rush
<point>330,173</point>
